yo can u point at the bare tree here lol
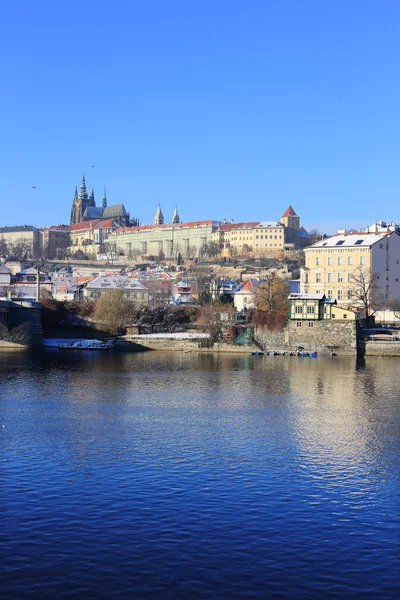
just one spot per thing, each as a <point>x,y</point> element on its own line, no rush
<point>160,291</point>
<point>271,302</point>
<point>367,292</point>
<point>211,249</point>
<point>203,282</point>
<point>272,296</point>
<point>3,247</point>
<point>113,310</point>
<point>21,248</point>
<point>394,306</point>
<point>314,236</point>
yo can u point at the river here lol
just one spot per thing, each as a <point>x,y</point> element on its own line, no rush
<point>173,475</point>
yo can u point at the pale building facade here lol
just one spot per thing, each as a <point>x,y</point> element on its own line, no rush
<point>333,264</point>
<point>26,237</point>
<point>188,239</point>
<point>132,289</point>
<point>88,235</point>
<point>255,237</point>
<point>261,237</point>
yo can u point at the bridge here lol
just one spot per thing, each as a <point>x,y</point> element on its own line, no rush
<point>20,324</point>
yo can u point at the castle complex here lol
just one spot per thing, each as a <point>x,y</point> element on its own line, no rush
<point>84,209</point>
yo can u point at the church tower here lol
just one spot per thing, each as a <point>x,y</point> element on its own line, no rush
<point>175,216</point>
<point>291,222</point>
<point>81,202</point>
<point>91,201</point>
<point>159,218</point>
<point>105,198</point>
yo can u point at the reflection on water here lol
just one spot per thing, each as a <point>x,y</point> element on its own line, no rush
<point>176,475</point>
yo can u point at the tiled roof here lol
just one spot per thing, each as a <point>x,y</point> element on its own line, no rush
<point>244,225</point>
<point>166,226</point>
<point>251,285</point>
<point>289,212</point>
<point>94,224</point>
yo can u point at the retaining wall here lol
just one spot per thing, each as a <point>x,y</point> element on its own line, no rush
<point>339,337</point>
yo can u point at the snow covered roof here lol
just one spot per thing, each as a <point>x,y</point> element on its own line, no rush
<point>270,224</point>
<point>115,282</point>
<point>351,239</point>
<point>306,296</point>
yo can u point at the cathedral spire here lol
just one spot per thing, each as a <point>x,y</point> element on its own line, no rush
<point>175,216</point>
<point>105,198</point>
<point>159,218</point>
<point>76,193</point>
<point>91,201</point>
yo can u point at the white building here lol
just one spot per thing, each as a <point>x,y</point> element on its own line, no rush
<point>132,288</point>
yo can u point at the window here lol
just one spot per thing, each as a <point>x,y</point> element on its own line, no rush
<point>340,261</point>
<point>339,243</point>
<point>344,316</point>
<point>339,294</point>
<point>317,277</point>
<point>298,324</point>
<point>350,294</point>
<point>330,277</point>
<point>381,246</point>
<point>329,294</point>
<point>350,260</point>
<point>311,323</point>
<point>310,310</point>
<point>358,242</point>
<point>298,309</point>
<point>340,276</point>
<point>318,261</point>
<point>350,277</point>
<point>330,261</point>
<point>363,260</point>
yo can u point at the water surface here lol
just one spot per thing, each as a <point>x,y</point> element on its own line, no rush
<point>161,475</point>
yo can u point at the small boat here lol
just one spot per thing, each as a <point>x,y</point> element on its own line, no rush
<point>86,345</point>
<point>313,355</point>
<point>257,353</point>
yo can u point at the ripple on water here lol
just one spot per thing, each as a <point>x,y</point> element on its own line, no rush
<point>160,475</point>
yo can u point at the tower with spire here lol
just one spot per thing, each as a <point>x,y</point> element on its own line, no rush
<point>175,216</point>
<point>291,221</point>
<point>81,202</point>
<point>159,218</point>
<point>105,198</point>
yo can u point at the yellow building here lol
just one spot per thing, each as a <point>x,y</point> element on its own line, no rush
<point>260,237</point>
<point>333,265</point>
<point>255,237</point>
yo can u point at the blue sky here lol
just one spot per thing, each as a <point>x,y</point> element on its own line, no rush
<point>226,108</point>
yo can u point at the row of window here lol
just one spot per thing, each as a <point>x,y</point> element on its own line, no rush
<point>330,277</point>
<point>340,260</point>
<point>299,310</point>
<point>300,323</point>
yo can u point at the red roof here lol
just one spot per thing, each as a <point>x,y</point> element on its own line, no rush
<point>93,224</point>
<point>230,226</point>
<point>289,212</point>
<point>167,226</point>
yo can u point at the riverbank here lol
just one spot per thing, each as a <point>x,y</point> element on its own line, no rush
<point>188,342</point>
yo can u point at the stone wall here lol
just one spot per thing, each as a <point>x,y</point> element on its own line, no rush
<point>381,348</point>
<point>186,345</point>
<point>323,336</point>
